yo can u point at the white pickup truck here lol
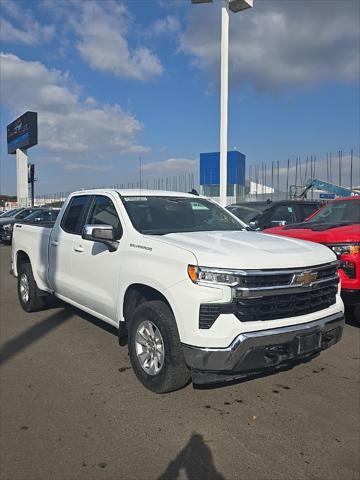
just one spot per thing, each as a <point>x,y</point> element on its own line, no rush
<point>192,292</point>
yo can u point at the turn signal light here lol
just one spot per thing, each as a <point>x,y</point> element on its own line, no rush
<point>193,273</point>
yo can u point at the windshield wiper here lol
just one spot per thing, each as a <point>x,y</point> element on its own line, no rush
<point>317,226</point>
<point>328,226</point>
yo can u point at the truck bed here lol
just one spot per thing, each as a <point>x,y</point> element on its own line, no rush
<point>33,238</point>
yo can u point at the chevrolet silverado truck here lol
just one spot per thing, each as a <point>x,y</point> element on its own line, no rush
<point>193,294</point>
<point>336,225</point>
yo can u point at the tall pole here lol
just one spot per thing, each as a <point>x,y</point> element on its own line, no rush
<point>351,169</point>
<point>140,174</point>
<point>339,168</point>
<point>330,162</point>
<point>22,187</point>
<point>287,178</point>
<point>224,101</point>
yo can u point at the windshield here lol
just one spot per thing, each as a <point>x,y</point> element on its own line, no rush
<point>245,214</point>
<point>10,213</point>
<point>341,212</point>
<point>162,215</point>
<point>25,213</point>
<point>43,215</point>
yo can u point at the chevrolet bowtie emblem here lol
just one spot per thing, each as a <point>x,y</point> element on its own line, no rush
<point>304,278</point>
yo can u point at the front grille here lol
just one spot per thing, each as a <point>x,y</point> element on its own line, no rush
<point>282,306</point>
<point>258,281</point>
<point>275,278</point>
<point>210,312</point>
<point>269,295</point>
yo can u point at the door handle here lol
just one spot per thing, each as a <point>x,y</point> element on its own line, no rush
<point>54,243</point>
<point>78,248</point>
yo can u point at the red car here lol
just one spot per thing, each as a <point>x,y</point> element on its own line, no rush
<point>336,225</point>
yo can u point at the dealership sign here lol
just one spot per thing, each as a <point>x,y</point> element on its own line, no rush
<point>22,133</point>
<point>327,196</point>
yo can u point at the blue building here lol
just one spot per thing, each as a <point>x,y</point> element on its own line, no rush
<point>210,175</point>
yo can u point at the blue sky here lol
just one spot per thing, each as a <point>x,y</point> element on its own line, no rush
<point>117,80</point>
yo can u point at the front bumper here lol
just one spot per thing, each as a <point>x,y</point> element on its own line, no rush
<point>350,296</point>
<point>254,353</point>
<point>5,236</point>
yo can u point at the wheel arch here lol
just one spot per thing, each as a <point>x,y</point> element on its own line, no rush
<point>138,293</point>
<point>21,258</point>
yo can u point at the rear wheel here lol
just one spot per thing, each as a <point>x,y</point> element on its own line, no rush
<point>30,297</point>
<point>155,350</point>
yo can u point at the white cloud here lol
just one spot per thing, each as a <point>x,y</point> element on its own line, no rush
<point>87,167</point>
<point>102,29</point>
<point>34,32</point>
<point>279,43</point>
<point>166,26</point>
<point>171,166</point>
<point>67,124</point>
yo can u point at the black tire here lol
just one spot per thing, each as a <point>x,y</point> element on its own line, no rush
<point>352,315</point>
<point>174,373</point>
<point>36,298</point>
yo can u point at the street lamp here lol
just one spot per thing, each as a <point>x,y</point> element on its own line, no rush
<point>235,6</point>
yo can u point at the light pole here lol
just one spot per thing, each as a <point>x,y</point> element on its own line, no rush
<point>235,6</point>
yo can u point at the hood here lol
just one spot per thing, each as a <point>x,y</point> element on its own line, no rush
<point>345,234</point>
<point>249,250</point>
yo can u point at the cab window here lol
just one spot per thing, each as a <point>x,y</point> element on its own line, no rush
<point>103,212</point>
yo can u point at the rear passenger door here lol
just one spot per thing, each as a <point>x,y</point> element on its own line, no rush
<point>61,244</point>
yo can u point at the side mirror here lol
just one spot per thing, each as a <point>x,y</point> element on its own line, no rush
<point>102,234</point>
<point>254,225</point>
<point>278,223</point>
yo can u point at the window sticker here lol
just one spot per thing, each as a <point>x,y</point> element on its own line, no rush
<point>135,199</point>
<point>198,206</point>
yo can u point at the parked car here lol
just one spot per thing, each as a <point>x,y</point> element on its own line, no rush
<point>194,294</point>
<point>7,223</point>
<point>336,225</point>
<point>42,215</point>
<point>9,213</point>
<point>261,215</point>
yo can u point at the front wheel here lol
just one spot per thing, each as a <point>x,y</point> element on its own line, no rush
<point>155,350</point>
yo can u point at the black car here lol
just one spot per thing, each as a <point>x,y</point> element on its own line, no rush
<point>261,215</point>
<point>45,215</point>
<point>7,223</point>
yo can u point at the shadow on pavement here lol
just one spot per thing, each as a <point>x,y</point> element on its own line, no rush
<point>196,460</point>
<point>35,332</point>
<point>266,373</point>
<point>32,334</point>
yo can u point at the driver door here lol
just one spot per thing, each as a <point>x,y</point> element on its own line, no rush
<point>94,268</point>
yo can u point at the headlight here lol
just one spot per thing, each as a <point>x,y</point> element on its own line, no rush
<point>8,227</point>
<point>342,248</point>
<point>214,276</point>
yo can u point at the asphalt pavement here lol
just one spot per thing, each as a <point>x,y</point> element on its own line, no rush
<point>71,408</point>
